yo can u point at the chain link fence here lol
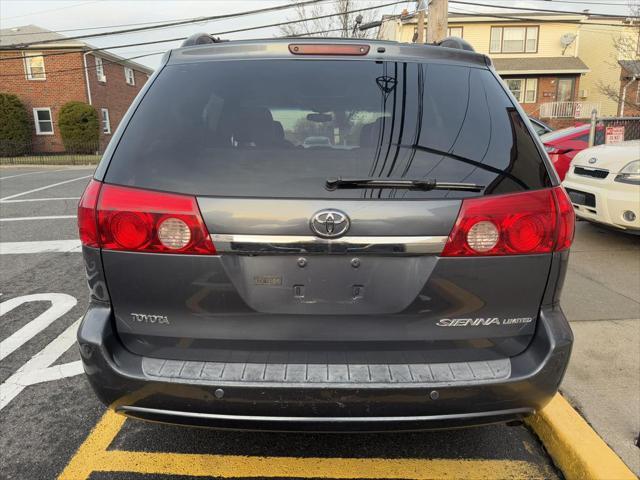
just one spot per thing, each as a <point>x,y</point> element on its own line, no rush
<point>48,152</point>
<point>614,129</point>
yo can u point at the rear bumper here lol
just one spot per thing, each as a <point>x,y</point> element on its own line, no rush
<point>120,380</point>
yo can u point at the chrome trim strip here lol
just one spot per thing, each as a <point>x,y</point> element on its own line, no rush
<point>132,410</point>
<point>308,244</point>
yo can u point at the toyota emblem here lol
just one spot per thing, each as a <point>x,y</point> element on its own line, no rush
<point>329,223</point>
<point>593,160</point>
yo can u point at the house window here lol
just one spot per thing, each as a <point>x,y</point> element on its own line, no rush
<point>43,121</point>
<point>531,90</point>
<point>100,70</point>
<point>106,124</point>
<point>34,66</point>
<point>454,32</point>
<point>531,41</point>
<point>516,86</point>
<point>525,90</point>
<point>129,76</point>
<point>514,40</point>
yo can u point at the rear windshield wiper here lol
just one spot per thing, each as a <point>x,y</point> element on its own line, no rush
<point>422,184</point>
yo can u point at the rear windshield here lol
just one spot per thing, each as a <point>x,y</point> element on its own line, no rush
<point>280,128</point>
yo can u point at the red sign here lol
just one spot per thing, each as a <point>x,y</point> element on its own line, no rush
<point>614,134</point>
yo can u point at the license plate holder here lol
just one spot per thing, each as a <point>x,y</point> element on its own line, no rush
<point>582,198</point>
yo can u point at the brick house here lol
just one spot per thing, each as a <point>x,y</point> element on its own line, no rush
<point>48,75</point>
<point>545,83</point>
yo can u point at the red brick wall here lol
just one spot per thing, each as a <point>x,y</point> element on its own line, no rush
<point>114,94</point>
<point>632,97</point>
<point>58,89</point>
<point>65,82</point>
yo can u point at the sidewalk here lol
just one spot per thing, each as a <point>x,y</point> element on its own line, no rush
<point>601,298</point>
<point>603,383</point>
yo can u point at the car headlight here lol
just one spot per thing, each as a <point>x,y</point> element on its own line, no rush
<point>630,173</point>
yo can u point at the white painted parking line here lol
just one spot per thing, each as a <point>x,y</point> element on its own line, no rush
<point>45,246</point>
<point>47,217</point>
<point>38,369</point>
<point>22,200</point>
<point>61,303</point>
<point>32,173</point>
<point>16,195</point>
<point>50,374</point>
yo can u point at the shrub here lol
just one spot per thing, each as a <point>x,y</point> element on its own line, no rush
<point>15,126</point>
<point>79,127</point>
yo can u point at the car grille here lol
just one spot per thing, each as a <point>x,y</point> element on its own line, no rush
<point>582,198</point>
<point>591,172</point>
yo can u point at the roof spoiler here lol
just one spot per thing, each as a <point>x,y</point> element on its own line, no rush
<point>201,39</point>
<point>455,42</point>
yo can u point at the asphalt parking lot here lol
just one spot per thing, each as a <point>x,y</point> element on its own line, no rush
<point>47,409</point>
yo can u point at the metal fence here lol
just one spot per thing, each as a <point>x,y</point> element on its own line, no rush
<point>568,109</point>
<point>614,129</point>
<point>48,152</point>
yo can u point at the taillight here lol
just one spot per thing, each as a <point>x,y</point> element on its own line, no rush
<point>566,219</point>
<point>87,221</point>
<point>540,221</point>
<point>142,221</point>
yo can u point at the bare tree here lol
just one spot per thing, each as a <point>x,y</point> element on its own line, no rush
<point>627,46</point>
<point>341,25</point>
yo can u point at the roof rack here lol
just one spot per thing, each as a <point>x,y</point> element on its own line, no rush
<point>201,39</point>
<point>455,42</point>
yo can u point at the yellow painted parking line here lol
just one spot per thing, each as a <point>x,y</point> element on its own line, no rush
<point>95,445</point>
<point>574,446</point>
<point>94,456</point>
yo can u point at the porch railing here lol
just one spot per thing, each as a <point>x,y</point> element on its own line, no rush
<point>568,109</point>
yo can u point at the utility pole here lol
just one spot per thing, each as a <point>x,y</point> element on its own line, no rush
<point>437,21</point>
<point>420,7</point>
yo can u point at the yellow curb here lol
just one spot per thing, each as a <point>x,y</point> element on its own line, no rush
<point>574,446</point>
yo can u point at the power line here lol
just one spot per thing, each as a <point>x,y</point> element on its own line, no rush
<point>153,42</point>
<point>159,24</point>
<point>119,25</point>
<point>50,10</point>
<point>89,67</point>
<point>587,2</point>
<point>317,32</point>
<point>319,17</point>
<point>113,47</point>
<point>472,13</point>
<point>169,24</point>
<point>538,10</point>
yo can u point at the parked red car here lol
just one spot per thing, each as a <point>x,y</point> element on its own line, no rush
<point>562,145</point>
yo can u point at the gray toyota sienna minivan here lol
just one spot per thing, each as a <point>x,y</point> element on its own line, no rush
<point>405,274</point>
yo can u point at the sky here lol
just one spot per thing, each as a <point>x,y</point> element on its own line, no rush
<point>80,14</point>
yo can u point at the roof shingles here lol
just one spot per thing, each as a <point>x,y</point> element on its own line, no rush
<point>540,65</point>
